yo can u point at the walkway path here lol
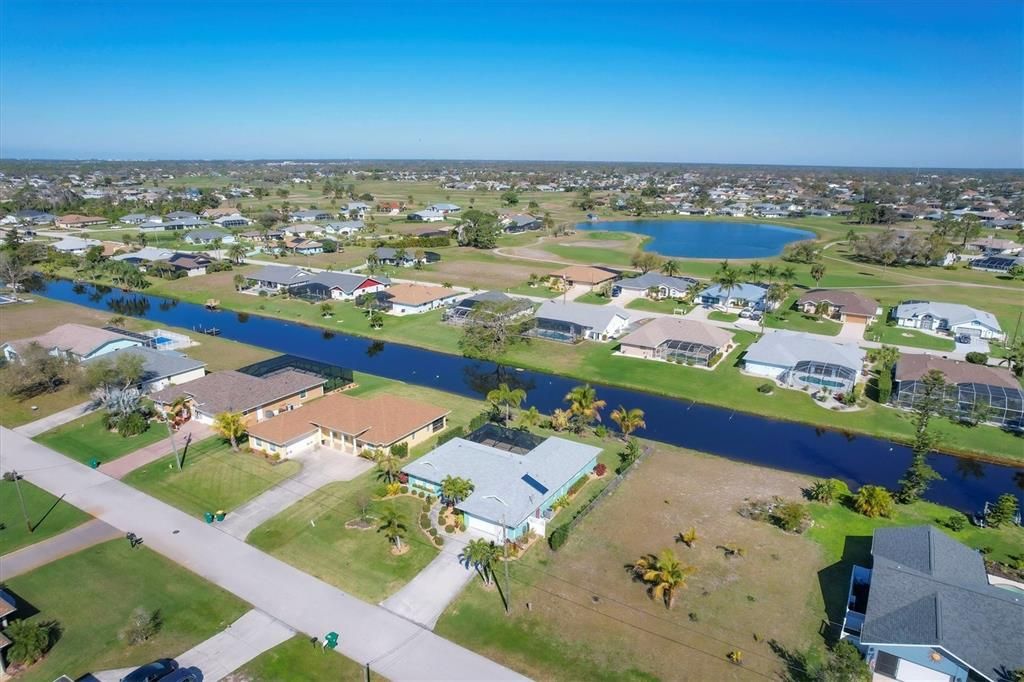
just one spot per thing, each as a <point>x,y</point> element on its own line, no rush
<point>319,467</point>
<point>33,429</point>
<point>225,652</point>
<point>394,647</point>
<point>78,538</point>
<point>122,466</point>
<point>424,598</point>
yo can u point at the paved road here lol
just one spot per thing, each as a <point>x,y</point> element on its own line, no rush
<point>122,466</point>
<point>78,538</point>
<point>33,429</point>
<point>424,598</point>
<point>225,652</point>
<point>319,467</point>
<point>394,646</point>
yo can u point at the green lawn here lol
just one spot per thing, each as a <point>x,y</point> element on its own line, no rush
<point>311,535</point>
<point>213,477</point>
<point>785,317</point>
<point>88,437</point>
<point>92,594</point>
<point>902,336</point>
<point>719,316</point>
<point>48,515</point>
<point>590,254</point>
<point>14,412</point>
<point>300,660</point>
<point>668,306</point>
<point>593,298</point>
<point>527,290</point>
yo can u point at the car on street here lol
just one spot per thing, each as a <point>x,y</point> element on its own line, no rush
<point>151,672</point>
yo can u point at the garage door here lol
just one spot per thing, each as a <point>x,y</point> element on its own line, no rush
<point>912,672</point>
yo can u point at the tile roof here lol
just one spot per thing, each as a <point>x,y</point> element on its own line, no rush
<point>72,337</point>
<point>913,366</point>
<point>379,421</point>
<point>849,301</point>
<point>232,391</point>
<point>662,329</point>
<point>585,274</point>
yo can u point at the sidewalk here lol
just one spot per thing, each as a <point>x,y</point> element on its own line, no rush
<point>122,466</point>
<point>81,537</point>
<point>33,429</point>
<point>393,646</point>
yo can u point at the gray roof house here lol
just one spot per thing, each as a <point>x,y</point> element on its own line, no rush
<point>344,227</point>
<point>208,236</point>
<point>160,368</point>
<point>676,339</point>
<point>516,477</point>
<point>925,610</point>
<point>279,277</point>
<point>338,285</point>
<point>568,321</point>
<point>147,254</point>
<point>805,361</point>
<point>740,296</point>
<point>952,318</point>
<point>516,307</point>
<point>670,287</point>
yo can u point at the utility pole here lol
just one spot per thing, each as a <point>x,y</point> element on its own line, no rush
<point>170,434</point>
<point>508,582</point>
<point>24,512</point>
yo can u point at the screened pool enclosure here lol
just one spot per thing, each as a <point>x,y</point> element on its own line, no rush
<point>1000,405</point>
<point>813,374</point>
<point>687,353</point>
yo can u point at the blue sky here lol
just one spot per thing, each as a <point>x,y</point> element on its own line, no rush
<point>886,83</point>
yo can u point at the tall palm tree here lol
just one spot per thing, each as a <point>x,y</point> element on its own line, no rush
<point>670,268</point>
<point>584,406</point>
<point>230,426</point>
<point>755,270</point>
<point>506,397</point>
<point>788,274</point>
<point>1015,358</point>
<point>236,252</point>
<point>530,418</point>
<point>239,281</point>
<point>727,280</point>
<point>393,525</point>
<point>776,294</point>
<point>665,575</point>
<point>771,271</point>
<point>818,272</point>
<point>628,420</point>
<point>481,555</point>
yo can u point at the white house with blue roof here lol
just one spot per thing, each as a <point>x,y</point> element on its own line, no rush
<point>516,477</point>
<point>741,296</point>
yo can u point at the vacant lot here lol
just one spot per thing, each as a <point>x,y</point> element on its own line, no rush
<point>588,619</point>
<point>47,515</point>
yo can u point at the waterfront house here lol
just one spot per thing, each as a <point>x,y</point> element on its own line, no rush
<point>192,264</point>
<point>74,245</point>
<point>160,368</point>
<point>805,361</point>
<point>349,425</point>
<point>967,385</point>
<point>516,477</point>
<point>844,306</point>
<point>741,296</point>
<point>147,254</point>
<point>925,611</point>
<point>512,308</point>
<point>647,283</point>
<point>278,277</point>
<point>340,286</point>
<point>950,318</point>
<point>570,322</point>
<point>411,299</point>
<point>678,340</point>
<point>255,398</point>
<point>73,341</point>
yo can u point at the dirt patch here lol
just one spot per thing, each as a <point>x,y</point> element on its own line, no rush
<point>359,524</point>
<point>480,274</point>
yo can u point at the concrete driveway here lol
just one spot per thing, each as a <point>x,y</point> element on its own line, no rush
<point>319,467</point>
<point>424,598</point>
<point>852,331</point>
<point>122,466</point>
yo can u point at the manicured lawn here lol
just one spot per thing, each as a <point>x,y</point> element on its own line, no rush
<point>48,515</point>
<point>788,318</point>
<point>593,298</point>
<point>92,594</point>
<point>719,316</point>
<point>213,477</point>
<point>527,290</point>
<point>311,535</point>
<point>902,336</point>
<point>590,254</point>
<point>88,437</point>
<point>14,412</point>
<point>300,660</point>
<point>666,306</point>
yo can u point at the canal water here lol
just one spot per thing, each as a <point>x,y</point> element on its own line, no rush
<point>744,437</point>
<point>706,238</point>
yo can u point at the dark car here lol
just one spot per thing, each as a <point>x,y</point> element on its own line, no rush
<point>151,672</point>
<point>184,675</point>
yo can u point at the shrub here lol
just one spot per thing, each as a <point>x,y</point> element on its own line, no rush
<point>766,388</point>
<point>976,358</point>
<point>142,625</point>
<point>420,494</point>
<point>438,540</point>
<point>578,485</point>
<point>827,490</point>
<point>132,424</point>
<point>432,532</point>
<point>449,528</point>
<point>404,490</point>
<point>400,450</point>
<point>956,522</point>
<point>454,432</point>
<point>600,469</point>
<point>601,431</point>
<point>424,521</point>
<point>462,526</point>
<point>403,477</point>
<point>430,500</point>
<point>1003,511</point>
<point>873,501</point>
<point>558,537</point>
<point>479,420</point>
<point>791,517</point>
<point>393,489</point>
<point>884,385</point>
<point>30,640</point>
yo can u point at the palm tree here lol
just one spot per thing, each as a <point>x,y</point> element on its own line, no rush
<point>388,465</point>
<point>1015,358</point>
<point>727,279</point>
<point>393,525</point>
<point>560,419</point>
<point>231,426</point>
<point>237,252</point>
<point>776,294</point>
<point>376,319</point>
<point>771,271</point>
<point>628,420</point>
<point>239,281</point>
<point>670,268</point>
<point>217,244</point>
<point>30,640</point>
<point>817,272</point>
<point>755,270</point>
<point>788,274</point>
<point>665,575</point>
<point>530,418</point>
<point>177,407</point>
<point>873,501</point>
<point>481,555</point>
<point>455,489</point>
<point>584,406</point>
<point>630,453</point>
<point>506,397</point>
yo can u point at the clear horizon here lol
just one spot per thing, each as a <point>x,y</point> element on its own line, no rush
<point>835,84</point>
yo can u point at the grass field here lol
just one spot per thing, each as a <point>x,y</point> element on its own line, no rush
<point>88,438</point>
<point>891,334</point>
<point>47,514</point>
<point>300,660</point>
<point>667,306</point>
<point>213,477</point>
<point>593,298</point>
<point>719,316</point>
<point>785,317</point>
<point>91,595</point>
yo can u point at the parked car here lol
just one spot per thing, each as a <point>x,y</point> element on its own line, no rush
<point>746,312</point>
<point>756,315</point>
<point>183,675</point>
<point>151,672</point>
<point>963,338</point>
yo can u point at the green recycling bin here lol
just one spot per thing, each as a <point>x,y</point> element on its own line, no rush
<point>94,463</point>
<point>208,517</point>
<point>221,514</point>
<point>331,640</point>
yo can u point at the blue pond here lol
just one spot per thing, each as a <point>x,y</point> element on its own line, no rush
<point>707,238</point>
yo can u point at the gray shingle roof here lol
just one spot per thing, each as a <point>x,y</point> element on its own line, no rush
<point>280,274</point>
<point>786,348</point>
<point>928,589</point>
<point>500,493</point>
<point>654,279</point>
<point>156,364</point>
<point>956,313</point>
<point>345,281</point>
<point>582,314</point>
<point>232,391</point>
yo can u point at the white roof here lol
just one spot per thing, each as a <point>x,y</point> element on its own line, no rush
<point>582,314</point>
<point>786,349</point>
<point>955,313</point>
<point>75,244</point>
<point>147,253</point>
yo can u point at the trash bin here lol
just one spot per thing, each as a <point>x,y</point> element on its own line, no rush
<point>221,514</point>
<point>94,463</point>
<point>331,640</point>
<point>208,517</point>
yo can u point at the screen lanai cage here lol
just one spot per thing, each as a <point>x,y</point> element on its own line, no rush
<point>687,352</point>
<point>1000,405</point>
<point>826,375</point>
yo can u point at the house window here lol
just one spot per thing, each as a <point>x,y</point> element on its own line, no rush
<point>437,425</point>
<point>302,395</point>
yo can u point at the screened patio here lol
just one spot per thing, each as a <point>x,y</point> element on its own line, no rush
<point>1005,405</point>
<point>686,352</point>
<point>810,373</point>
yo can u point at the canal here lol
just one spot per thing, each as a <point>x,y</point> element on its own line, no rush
<point>856,459</point>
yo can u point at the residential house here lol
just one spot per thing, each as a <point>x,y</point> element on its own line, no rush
<point>444,208</point>
<point>404,258</point>
<point>678,340</point>
<point>305,247</point>
<point>192,264</point>
<point>33,217</point>
<point>74,341</point>
<point>426,216</point>
<point>356,209</point>
<point>570,322</point>
<point>391,207</point>
<point>278,277</point>
<point>181,215</point>
<point>411,299</point>
<point>303,231</point>
<point>741,296</point>
<point>516,477</point>
<point>349,425</point>
<point>233,220</point>
<point>666,287</point>
<point>209,236</point>
<point>949,318</point>
<point>74,245</point>
<point>925,611</point>
<point>341,286</point>
<point>160,368</point>
<point>214,213</point>
<point>584,275</point>
<point>75,220</point>
<point>999,264</point>
<point>512,308</point>
<point>139,218</point>
<point>967,386</point>
<point>310,216</point>
<point>147,254</point>
<point>345,228</point>
<point>805,361</point>
<point>993,246</point>
<point>262,236</point>
<point>255,398</point>
<point>520,222</point>
<point>844,306</point>
<point>173,225</point>
<point>8,606</point>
